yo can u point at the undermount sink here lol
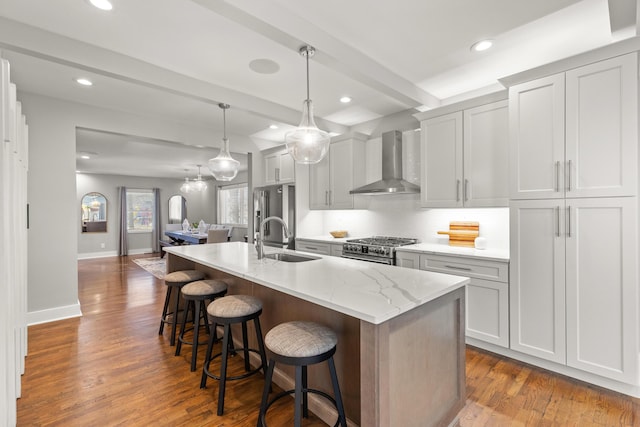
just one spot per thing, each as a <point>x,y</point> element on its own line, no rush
<point>286,257</point>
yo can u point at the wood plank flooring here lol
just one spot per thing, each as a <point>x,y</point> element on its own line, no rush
<point>110,367</point>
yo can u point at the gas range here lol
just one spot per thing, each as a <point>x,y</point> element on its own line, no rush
<point>380,249</point>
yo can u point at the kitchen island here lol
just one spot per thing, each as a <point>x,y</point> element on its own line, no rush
<point>400,355</point>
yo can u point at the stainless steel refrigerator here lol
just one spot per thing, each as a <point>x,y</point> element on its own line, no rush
<point>275,200</point>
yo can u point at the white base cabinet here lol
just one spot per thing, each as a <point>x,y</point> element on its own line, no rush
<point>487,294</point>
<point>574,293</point>
<point>319,247</point>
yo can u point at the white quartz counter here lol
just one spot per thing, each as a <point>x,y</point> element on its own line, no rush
<point>368,291</point>
<point>440,249</point>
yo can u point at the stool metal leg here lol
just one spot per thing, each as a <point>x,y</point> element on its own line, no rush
<point>183,326</point>
<point>336,392</point>
<point>245,345</point>
<point>223,368</point>
<point>207,359</point>
<point>164,310</point>
<point>196,335</point>
<point>298,397</point>
<point>305,400</point>
<point>265,393</point>
<point>174,320</point>
<point>261,349</point>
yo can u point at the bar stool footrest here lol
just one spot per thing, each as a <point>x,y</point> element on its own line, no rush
<point>304,390</point>
<point>236,377</point>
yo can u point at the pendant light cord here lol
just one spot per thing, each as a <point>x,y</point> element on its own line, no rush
<point>307,56</point>
<point>224,123</point>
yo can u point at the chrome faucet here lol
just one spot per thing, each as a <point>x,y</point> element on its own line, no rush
<point>260,237</point>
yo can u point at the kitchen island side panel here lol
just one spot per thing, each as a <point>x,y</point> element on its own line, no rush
<point>413,366</point>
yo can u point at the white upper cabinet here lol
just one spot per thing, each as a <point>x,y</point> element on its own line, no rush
<point>465,158</point>
<point>342,170</point>
<point>441,183</point>
<point>574,134</point>
<point>486,155</point>
<point>279,168</point>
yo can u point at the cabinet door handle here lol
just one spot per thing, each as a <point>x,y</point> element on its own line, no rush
<point>466,190</point>
<point>457,190</point>
<point>326,197</point>
<point>557,176</point>
<point>310,247</point>
<point>568,221</point>
<point>569,175</point>
<point>557,221</point>
<point>277,174</point>
<point>453,267</point>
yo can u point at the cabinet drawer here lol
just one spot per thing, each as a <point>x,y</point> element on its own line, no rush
<point>313,247</point>
<point>489,270</point>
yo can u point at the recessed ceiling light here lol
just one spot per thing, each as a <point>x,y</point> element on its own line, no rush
<point>102,4</point>
<point>481,45</point>
<point>345,99</point>
<point>84,82</point>
<point>273,127</point>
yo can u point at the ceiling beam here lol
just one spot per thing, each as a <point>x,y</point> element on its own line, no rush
<point>282,26</point>
<point>32,41</point>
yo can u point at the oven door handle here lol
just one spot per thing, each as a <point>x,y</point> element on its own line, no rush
<point>387,261</point>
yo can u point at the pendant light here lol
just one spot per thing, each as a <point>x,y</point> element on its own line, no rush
<point>307,144</point>
<point>186,185</point>
<point>224,167</point>
<point>198,184</point>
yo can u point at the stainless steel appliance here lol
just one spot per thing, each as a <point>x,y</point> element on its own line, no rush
<point>275,200</point>
<point>380,249</point>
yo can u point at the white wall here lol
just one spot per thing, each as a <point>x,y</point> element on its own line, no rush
<point>52,241</point>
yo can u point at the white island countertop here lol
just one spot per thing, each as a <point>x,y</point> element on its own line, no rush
<point>367,291</point>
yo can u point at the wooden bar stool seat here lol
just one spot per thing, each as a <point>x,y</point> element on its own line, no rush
<point>195,295</point>
<point>225,311</point>
<point>176,280</point>
<point>301,344</point>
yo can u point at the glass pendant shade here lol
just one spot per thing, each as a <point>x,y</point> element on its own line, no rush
<point>186,186</point>
<point>198,184</point>
<point>224,167</point>
<point>307,144</point>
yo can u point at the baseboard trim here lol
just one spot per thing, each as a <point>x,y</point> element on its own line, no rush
<point>53,314</point>
<point>91,255</point>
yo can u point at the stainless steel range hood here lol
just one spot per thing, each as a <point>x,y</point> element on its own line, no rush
<point>391,182</point>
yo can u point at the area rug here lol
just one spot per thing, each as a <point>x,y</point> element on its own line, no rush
<point>156,266</point>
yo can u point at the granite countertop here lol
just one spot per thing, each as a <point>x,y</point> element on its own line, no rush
<point>442,249</point>
<point>368,291</point>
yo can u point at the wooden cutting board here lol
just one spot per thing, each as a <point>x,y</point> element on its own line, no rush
<point>462,233</point>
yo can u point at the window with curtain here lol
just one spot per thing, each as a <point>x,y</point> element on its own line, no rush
<point>233,206</point>
<point>140,209</point>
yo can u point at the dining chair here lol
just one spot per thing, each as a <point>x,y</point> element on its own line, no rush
<point>217,236</point>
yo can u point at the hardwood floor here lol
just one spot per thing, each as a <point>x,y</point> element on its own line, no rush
<point>110,367</point>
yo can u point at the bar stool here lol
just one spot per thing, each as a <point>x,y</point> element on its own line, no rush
<point>195,294</point>
<point>226,311</point>
<point>301,344</point>
<point>177,280</point>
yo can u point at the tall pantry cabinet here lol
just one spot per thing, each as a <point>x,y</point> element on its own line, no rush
<point>573,218</point>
